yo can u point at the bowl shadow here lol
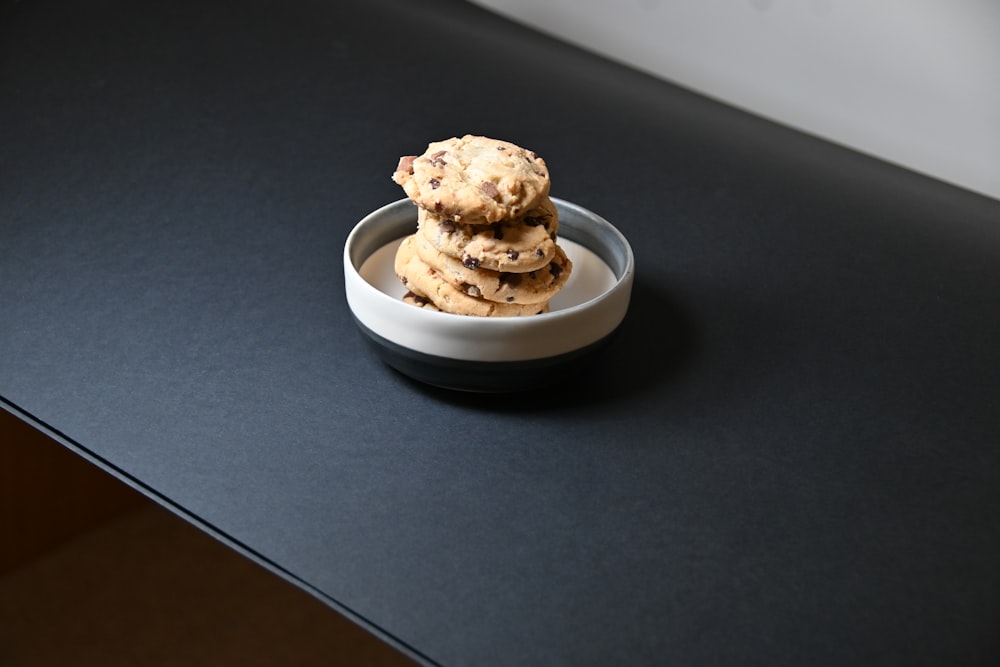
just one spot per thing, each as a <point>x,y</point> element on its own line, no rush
<point>653,344</point>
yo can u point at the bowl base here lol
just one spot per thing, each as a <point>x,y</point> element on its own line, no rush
<point>479,376</point>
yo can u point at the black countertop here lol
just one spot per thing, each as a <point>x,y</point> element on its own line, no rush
<point>790,454</point>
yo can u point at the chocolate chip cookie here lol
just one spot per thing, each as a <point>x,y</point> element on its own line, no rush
<point>515,245</point>
<point>424,281</point>
<point>531,287</point>
<point>474,179</point>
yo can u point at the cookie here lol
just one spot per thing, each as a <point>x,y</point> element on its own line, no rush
<point>424,281</point>
<point>531,287</point>
<point>474,179</point>
<point>517,245</point>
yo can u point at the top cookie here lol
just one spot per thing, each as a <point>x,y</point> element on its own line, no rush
<point>474,179</point>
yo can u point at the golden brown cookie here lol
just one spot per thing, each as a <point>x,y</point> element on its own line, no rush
<point>532,287</point>
<point>474,179</point>
<point>518,245</point>
<point>422,280</point>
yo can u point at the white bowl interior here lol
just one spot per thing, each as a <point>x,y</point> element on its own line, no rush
<point>586,310</point>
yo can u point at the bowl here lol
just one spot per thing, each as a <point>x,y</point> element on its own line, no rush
<point>488,354</point>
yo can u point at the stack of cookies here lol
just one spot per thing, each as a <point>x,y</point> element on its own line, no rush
<point>486,239</point>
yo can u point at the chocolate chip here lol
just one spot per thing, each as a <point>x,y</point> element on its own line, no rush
<point>534,220</point>
<point>510,279</point>
<point>435,184</point>
<point>513,254</point>
<point>470,262</point>
<point>471,290</point>
<point>406,163</point>
<point>555,269</point>
<point>510,299</point>
<point>489,189</point>
<point>437,160</point>
<point>539,253</point>
<point>446,226</point>
<point>501,148</point>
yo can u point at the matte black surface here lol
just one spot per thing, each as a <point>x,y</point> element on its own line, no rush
<point>789,455</point>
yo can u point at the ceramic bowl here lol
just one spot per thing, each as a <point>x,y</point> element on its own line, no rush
<point>488,354</point>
